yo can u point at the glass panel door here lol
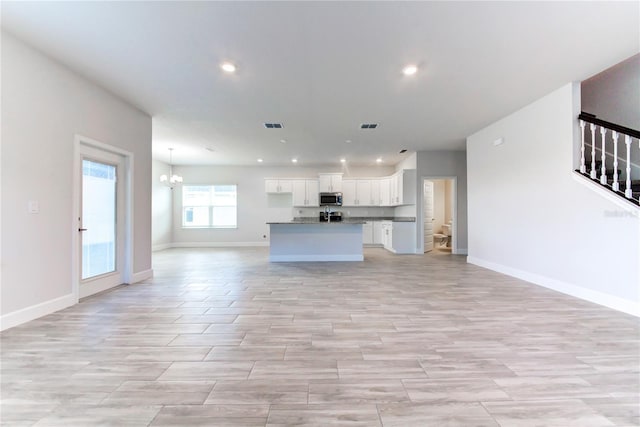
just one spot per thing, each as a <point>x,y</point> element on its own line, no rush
<point>99,213</point>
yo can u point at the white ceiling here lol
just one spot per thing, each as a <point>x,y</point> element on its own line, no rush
<point>323,68</point>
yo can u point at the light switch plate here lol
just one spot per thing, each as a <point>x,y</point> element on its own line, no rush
<point>34,207</point>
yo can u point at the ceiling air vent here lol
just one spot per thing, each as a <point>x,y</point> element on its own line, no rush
<point>273,125</point>
<point>368,126</point>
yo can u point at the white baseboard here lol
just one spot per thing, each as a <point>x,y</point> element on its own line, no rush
<point>161,247</point>
<point>141,276</point>
<point>590,295</point>
<point>217,244</point>
<point>27,314</point>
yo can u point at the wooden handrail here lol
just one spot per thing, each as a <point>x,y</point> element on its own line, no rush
<point>591,118</point>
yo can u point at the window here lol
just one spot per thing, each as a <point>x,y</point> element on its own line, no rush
<point>209,206</point>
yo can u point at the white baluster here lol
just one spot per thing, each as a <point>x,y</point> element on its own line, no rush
<point>603,158</point>
<point>593,174</point>
<point>583,167</point>
<point>616,185</point>
<point>628,193</point>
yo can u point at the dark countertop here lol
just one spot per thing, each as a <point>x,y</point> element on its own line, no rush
<point>317,221</point>
<point>349,220</point>
<point>385,218</point>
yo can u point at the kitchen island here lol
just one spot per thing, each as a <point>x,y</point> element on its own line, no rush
<point>311,240</point>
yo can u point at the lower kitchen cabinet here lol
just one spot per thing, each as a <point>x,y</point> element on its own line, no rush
<point>372,233</point>
<point>398,237</point>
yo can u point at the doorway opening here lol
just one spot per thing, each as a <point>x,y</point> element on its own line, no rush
<point>438,213</point>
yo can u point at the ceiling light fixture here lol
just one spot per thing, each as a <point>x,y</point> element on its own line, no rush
<point>284,141</point>
<point>379,160</point>
<point>172,180</point>
<point>348,141</point>
<point>228,67</point>
<point>410,70</point>
<point>260,160</point>
<point>343,160</point>
<point>294,160</point>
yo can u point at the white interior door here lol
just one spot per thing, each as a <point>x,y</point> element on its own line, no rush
<point>101,221</point>
<point>428,216</point>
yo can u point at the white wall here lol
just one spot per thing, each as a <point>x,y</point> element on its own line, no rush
<point>255,207</point>
<point>445,164</point>
<point>529,217</point>
<point>44,105</point>
<point>162,212</point>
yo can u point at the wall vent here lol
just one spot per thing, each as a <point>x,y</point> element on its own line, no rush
<point>368,126</point>
<point>273,125</point>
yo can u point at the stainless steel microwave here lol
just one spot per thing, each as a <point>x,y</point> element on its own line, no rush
<point>330,199</point>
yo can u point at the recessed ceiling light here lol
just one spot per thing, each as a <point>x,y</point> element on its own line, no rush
<point>294,160</point>
<point>343,160</point>
<point>259,160</point>
<point>410,70</point>
<point>209,149</point>
<point>379,160</point>
<point>228,67</point>
<point>348,141</point>
<point>403,151</point>
<point>284,141</point>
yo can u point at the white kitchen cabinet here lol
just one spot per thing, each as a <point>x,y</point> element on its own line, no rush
<point>367,233</point>
<point>278,185</point>
<point>385,192</point>
<point>356,192</point>
<point>305,192</point>
<point>375,193</point>
<point>402,188</point>
<point>387,234</point>
<point>377,232</point>
<point>349,192</point>
<point>363,192</point>
<point>330,182</point>
<point>399,237</point>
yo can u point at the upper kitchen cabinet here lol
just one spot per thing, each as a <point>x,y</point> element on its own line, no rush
<point>305,193</point>
<point>358,192</point>
<point>278,185</point>
<point>402,187</point>
<point>330,182</point>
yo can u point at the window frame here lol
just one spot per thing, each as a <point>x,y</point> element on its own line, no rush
<point>210,208</point>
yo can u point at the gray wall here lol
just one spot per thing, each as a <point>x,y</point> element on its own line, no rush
<point>614,94</point>
<point>44,105</point>
<point>444,164</point>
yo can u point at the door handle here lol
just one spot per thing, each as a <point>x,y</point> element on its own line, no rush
<point>82,229</point>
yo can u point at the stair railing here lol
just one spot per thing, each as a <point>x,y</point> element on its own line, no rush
<point>616,132</point>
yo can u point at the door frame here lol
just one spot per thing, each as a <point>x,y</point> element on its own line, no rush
<point>127,268</point>
<point>454,210</point>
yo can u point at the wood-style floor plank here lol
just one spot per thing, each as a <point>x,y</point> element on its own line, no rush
<point>221,337</point>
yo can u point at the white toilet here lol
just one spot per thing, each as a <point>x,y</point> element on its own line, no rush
<point>446,230</point>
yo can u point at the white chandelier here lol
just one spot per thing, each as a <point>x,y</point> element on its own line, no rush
<point>172,180</point>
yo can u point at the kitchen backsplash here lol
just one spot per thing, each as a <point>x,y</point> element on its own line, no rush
<point>346,212</point>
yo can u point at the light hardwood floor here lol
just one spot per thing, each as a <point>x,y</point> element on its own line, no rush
<point>223,337</point>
